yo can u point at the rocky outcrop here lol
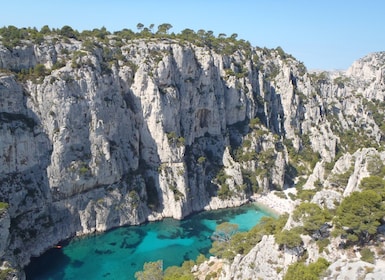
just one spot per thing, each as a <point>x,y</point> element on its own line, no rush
<point>90,143</point>
<point>263,261</point>
<point>97,133</point>
<point>348,269</point>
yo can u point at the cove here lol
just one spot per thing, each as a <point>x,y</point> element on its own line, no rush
<point>119,253</point>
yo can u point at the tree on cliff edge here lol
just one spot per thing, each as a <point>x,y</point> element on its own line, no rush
<point>164,28</point>
<point>151,271</point>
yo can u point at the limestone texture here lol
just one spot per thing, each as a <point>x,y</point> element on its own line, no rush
<point>104,135</point>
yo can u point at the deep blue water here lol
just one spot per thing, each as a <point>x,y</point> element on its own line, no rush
<point>119,253</point>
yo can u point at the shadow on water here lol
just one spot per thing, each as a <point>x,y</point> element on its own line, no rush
<point>50,263</point>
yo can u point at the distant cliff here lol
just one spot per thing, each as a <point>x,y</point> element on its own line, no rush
<point>104,130</point>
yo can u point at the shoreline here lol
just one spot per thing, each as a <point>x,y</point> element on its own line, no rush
<point>270,211</point>
<point>273,204</point>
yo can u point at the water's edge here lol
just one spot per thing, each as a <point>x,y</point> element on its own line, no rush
<point>268,210</point>
<point>123,251</point>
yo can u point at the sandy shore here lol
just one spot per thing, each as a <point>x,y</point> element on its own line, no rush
<point>274,204</point>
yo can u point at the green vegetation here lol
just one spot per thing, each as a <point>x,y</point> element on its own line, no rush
<point>319,78</point>
<point>224,191</point>
<point>243,156</point>
<point>359,215</point>
<point>341,81</point>
<point>151,271</point>
<point>178,195</point>
<point>367,255</point>
<point>289,238</point>
<point>201,160</point>
<point>222,237</point>
<point>312,216</point>
<point>375,166</point>
<point>303,160</point>
<point>301,271</point>
<point>353,139</point>
<point>374,183</point>
<point>322,244</point>
<point>250,180</point>
<point>134,198</point>
<point>239,71</point>
<point>265,159</point>
<point>175,140</point>
<point>376,109</point>
<point>224,232</point>
<point>243,242</point>
<point>180,273</point>
<point>222,44</point>
<point>313,219</point>
<point>154,270</point>
<point>6,274</point>
<point>304,195</point>
<point>359,135</point>
<point>35,74</point>
<point>84,169</point>
<point>341,180</point>
<point>3,206</point>
<point>280,194</point>
<point>13,36</point>
<point>108,47</point>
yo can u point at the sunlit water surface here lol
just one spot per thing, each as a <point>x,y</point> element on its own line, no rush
<point>119,253</point>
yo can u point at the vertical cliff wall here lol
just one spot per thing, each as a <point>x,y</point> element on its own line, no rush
<point>97,134</point>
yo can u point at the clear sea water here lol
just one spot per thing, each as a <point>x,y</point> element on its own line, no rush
<point>119,253</point>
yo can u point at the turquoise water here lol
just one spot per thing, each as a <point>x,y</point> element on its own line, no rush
<point>119,253</point>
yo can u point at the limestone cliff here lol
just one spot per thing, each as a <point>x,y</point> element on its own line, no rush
<point>103,132</point>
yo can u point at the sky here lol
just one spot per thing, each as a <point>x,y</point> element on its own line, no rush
<point>323,34</point>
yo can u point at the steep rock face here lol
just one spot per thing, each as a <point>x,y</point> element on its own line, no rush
<point>359,157</point>
<point>99,135</point>
<point>88,145</point>
<point>263,261</point>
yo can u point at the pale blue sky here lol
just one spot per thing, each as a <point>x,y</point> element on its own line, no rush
<point>324,34</point>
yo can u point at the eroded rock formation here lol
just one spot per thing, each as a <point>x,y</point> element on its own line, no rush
<point>111,133</point>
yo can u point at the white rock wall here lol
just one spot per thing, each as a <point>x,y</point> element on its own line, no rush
<point>99,143</point>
